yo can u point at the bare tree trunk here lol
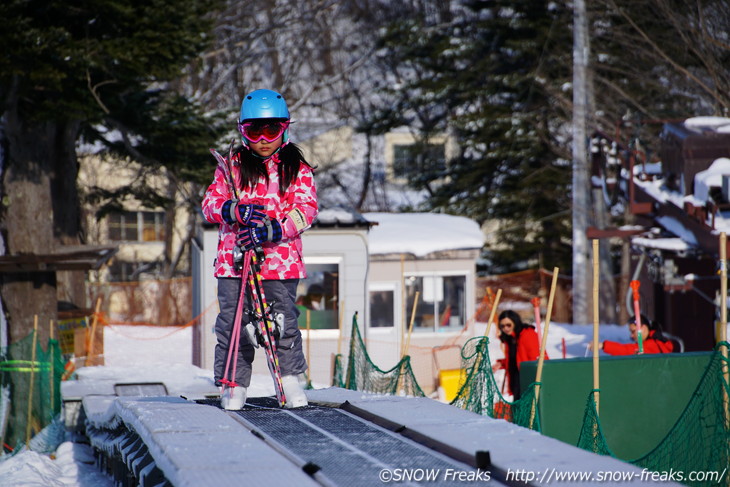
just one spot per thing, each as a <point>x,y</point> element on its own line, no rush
<point>27,224</point>
<point>367,172</point>
<point>67,221</point>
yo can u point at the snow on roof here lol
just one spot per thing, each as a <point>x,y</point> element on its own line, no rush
<point>712,176</point>
<point>674,244</point>
<point>703,181</point>
<point>720,125</point>
<point>422,233</point>
<point>338,216</point>
<point>677,228</point>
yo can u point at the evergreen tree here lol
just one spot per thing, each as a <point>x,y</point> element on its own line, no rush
<point>487,78</point>
<point>69,68</point>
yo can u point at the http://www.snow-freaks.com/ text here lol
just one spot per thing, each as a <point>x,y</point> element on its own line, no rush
<point>549,475</point>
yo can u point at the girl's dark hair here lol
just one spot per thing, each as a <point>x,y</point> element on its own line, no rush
<point>252,166</point>
<point>515,318</point>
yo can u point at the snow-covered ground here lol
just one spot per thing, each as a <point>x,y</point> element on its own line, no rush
<point>139,353</point>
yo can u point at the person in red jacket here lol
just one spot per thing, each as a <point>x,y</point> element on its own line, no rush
<point>520,343</point>
<point>652,338</point>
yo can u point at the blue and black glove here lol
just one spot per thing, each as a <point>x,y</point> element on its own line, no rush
<point>246,214</point>
<point>252,237</point>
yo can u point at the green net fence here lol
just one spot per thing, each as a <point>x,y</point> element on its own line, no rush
<point>479,392</point>
<point>363,375</point>
<point>699,441</point>
<point>338,377</point>
<point>30,398</point>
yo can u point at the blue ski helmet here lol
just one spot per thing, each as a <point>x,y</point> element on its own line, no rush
<point>264,104</point>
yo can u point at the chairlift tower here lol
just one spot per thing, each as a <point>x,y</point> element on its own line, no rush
<point>581,195</point>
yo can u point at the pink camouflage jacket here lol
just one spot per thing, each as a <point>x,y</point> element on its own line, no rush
<point>295,210</point>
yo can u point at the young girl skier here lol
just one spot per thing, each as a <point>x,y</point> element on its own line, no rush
<point>262,196</point>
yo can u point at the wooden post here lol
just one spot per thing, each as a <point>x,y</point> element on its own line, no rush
<point>723,323</point>
<point>309,358</point>
<point>723,287</point>
<point>342,323</point>
<point>403,300</point>
<point>493,312</point>
<point>90,341</point>
<point>541,358</point>
<point>407,345</point>
<point>32,382</point>
<point>51,359</point>
<point>596,276</point>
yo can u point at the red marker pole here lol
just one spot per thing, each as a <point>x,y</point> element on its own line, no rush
<point>637,314</point>
<point>536,305</point>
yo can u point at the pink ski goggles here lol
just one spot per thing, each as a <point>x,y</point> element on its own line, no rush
<point>268,131</point>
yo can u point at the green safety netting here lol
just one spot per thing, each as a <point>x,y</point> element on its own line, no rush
<point>479,393</point>
<point>362,374</point>
<point>699,441</point>
<point>30,395</point>
<point>338,377</point>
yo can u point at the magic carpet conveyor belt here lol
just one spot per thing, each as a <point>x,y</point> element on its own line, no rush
<point>338,448</point>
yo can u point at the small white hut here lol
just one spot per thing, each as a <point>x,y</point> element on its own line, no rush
<point>372,265</point>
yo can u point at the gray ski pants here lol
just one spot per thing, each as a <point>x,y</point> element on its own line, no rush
<point>280,295</point>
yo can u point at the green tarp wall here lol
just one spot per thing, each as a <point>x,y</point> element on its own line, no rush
<point>641,397</point>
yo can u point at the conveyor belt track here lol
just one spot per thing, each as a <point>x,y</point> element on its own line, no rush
<point>340,449</point>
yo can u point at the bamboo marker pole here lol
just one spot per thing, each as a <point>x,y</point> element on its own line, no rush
<point>407,345</point>
<point>94,322</point>
<point>309,358</point>
<point>404,299</point>
<point>723,323</point>
<point>596,383</point>
<point>493,312</point>
<point>32,382</point>
<point>723,287</point>
<point>51,360</point>
<point>342,323</point>
<point>541,358</point>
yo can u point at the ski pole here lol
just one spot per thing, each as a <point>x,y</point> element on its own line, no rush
<point>225,166</point>
<point>234,339</point>
<point>266,324</point>
<point>635,285</point>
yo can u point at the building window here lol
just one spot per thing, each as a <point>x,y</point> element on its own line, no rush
<point>413,159</point>
<point>122,271</point>
<point>318,297</point>
<point>382,308</point>
<point>441,303</point>
<point>137,226</point>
